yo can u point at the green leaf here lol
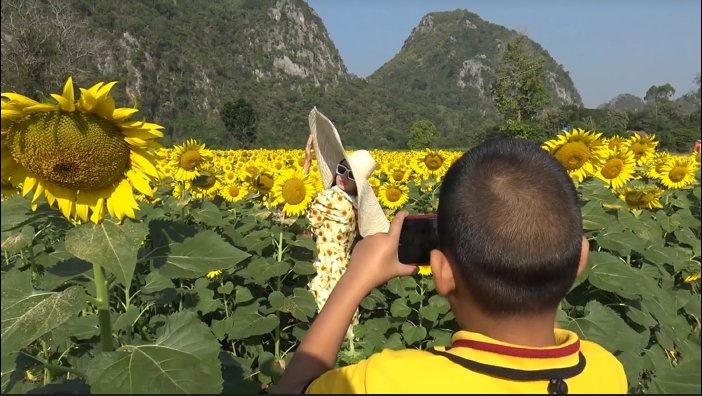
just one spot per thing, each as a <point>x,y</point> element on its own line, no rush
<point>184,359</point>
<point>13,241</point>
<point>374,299</point>
<point>301,305</point>
<point>242,294</point>
<point>413,334</point>
<point>194,257</point>
<point>683,379</point>
<point>27,315</point>
<point>210,215</point>
<point>641,317</point>
<point>109,245</point>
<point>594,216</point>
<point>686,236</point>
<point>246,322</point>
<point>429,312</point>
<point>402,285</point>
<point>226,289</point>
<point>126,320</point>
<point>261,270</point>
<point>304,268</point>
<point>610,273</point>
<point>276,299</point>
<point>156,282</point>
<point>621,242</point>
<point>399,309</point>
<point>600,323</point>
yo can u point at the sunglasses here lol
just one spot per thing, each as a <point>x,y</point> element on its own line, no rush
<point>344,171</point>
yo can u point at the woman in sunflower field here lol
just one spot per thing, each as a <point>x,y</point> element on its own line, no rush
<point>346,207</point>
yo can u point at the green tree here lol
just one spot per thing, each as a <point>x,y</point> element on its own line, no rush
<point>241,122</point>
<point>423,133</point>
<point>518,89</point>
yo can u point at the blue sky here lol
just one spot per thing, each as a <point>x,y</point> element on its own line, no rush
<point>608,46</point>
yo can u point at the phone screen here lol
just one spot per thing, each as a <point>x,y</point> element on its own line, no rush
<point>417,238</point>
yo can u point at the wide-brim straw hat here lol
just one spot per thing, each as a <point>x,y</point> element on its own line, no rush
<point>329,151</point>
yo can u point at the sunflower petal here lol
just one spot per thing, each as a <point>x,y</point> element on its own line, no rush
<point>140,182</point>
<point>98,211</point>
<point>38,192</point>
<point>138,159</point>
<point>68,96</point>
<point>41,107</point>
<point>28,185</point>
<point>123,112</point>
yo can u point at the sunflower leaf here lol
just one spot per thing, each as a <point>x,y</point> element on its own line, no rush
<point>27,315</point>
<point>109,245</point>
<point>184,359</point>
<point>197,255</point>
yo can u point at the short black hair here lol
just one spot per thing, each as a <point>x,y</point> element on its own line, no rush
<point>509,217</point>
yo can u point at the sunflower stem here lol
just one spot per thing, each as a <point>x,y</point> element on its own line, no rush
<point>103,306</point>
<point>277,287</point>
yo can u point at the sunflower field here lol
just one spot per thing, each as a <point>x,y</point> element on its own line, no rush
<point>128,267</point>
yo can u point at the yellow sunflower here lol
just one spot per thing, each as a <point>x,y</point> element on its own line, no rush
<point>396,172</point>
<point>430,163</point>
<point>424,270</point>
<point>619,167</point>
<point>642,197</point>
<point>678,172</point>
<point>213,274</point>
<point>693,277</point>
<point>642,145</point>
<point>205,185</point>
<point>615,142</point>
<point>393,195</point>
<point>187,159</point>
<point>82,156</point>
<point>579,151</point>
<point>232,192</point>
<point>655,166</point>
<point>294,191</point>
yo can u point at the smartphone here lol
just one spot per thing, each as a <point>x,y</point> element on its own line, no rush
<point>417,238</point>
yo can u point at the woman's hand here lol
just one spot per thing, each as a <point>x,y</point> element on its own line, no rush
<point>374,260</point>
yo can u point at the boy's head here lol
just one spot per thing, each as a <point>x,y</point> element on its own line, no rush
<point>509,222</point>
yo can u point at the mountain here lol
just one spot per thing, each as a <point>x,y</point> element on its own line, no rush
<point>626,102</point>
<point>181,61</point>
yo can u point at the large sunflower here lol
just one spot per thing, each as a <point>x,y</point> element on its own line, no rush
<point>294,191</point>
<point>678,172</point>
<point>619,167</point>
<point>579,151</point>
<point>393,195</point>
<point>82,156</point>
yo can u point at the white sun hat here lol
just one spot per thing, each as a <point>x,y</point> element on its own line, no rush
<point>329,151</point>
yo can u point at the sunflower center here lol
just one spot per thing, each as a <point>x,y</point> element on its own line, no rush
<point>393,194</point>
<point>251,170</point>
<point>233,190</point>
<point>190,159</point>
<point>264,182</point>
<point>573,155</point>
<point>612,168</point>
<point>635,198</point>
<point>677,173</point>
<point>398,175</point>
<point>294,191</point>
<point>80,151</point>
<point>433,161</point>
<point>638,149</point>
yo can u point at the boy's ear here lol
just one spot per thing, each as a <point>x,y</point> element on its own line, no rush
<point>442,272</point>
<point>584,252</point>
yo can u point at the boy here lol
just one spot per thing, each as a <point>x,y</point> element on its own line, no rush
<point>511,245</point>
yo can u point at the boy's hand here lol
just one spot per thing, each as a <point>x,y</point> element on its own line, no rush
<point>308,148</point>
<point>374,259</point>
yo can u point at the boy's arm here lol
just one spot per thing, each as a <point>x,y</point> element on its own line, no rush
<point>373,262</point>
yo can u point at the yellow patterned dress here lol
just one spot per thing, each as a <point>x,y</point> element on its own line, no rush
<point>333,219</point>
